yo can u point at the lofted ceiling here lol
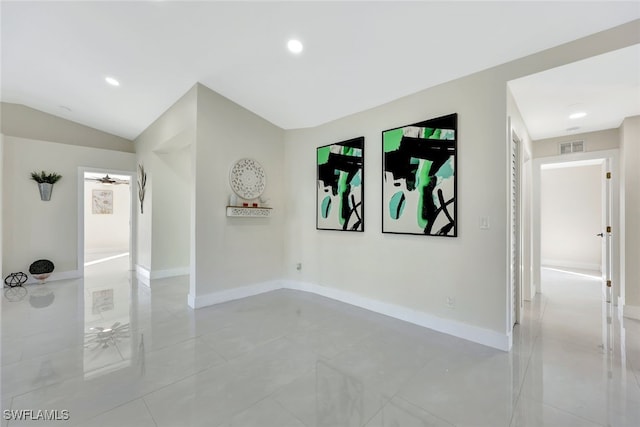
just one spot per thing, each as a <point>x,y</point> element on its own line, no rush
<point>357,55</point>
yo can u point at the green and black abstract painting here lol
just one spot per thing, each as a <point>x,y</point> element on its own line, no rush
<point>419,178</point>
<point>340,186</point>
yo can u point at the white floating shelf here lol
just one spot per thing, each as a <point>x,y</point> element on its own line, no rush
<point>248,212</point>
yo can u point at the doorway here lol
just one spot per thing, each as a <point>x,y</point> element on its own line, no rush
<point>572,220</point>
<point>105,218</point>
<point>105,258</point>
<point>575,218</point>
<point>580,249</point>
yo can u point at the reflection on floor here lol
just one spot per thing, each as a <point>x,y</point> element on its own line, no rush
<point>92,258</point>
<point>114,353</point>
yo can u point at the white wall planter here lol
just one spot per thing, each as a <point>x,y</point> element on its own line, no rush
<point>45,191</point>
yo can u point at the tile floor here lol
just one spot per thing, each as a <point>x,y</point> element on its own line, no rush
<point>114,353</point>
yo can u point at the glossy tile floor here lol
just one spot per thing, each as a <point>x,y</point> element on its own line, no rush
<point>114,353</point>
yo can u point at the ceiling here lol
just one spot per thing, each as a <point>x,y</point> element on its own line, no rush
<point>605,87</point>
<point>56,55</point>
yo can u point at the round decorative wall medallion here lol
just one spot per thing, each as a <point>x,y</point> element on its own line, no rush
<point>247,179</point>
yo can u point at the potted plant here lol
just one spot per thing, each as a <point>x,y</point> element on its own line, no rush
<point>45,182</point>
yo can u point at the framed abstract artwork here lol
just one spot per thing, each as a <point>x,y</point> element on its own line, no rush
<point>419,178</point>
<point>340,186</point>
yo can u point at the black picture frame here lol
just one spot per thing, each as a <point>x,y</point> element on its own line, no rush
<point>419,178</point>
<point>340,186</point>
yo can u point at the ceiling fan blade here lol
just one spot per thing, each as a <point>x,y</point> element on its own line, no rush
<point>108,180</point>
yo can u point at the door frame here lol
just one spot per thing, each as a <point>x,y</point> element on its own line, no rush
<point>132,217</point>
<point>515,230</point>
<point>606,156</point>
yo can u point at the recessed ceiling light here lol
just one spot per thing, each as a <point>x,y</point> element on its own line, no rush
<point>295,46</point>
<point>577,115</point>
<point>112,81</point>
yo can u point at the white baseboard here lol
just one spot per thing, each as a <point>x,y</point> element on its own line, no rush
<point>55,276</point>
<point>632,311</point>
<point>452,327</point>
<point>172,272</point>
<point>571,264</point>
<point>233,294</point>
<point>144,275</point>
<point>117,250</point>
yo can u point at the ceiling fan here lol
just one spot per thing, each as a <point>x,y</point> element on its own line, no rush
<point>108,180</point>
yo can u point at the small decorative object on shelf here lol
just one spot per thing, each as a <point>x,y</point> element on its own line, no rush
<point>15,279</point>
<point>248,212</point>
<point>41,269</point>
<point>45,182</point>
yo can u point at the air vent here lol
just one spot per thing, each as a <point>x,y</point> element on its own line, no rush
<point>571,147</point>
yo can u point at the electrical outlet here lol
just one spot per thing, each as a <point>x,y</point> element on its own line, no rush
<point>451,302</point>
<point>484,223</point>
<point>299,266</point>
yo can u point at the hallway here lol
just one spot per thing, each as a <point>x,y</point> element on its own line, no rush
<point>568,368</point>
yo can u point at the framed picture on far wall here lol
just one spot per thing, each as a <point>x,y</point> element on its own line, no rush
<point>102,202</point>
<point>340,186</point>
<point>419,192</point>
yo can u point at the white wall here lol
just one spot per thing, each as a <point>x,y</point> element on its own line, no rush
<point>19,120</point>
<point>36,229</point>
<point>571,216</point>
<point>164,229</point>
<point>416,272</point>
<point>187,153</point>
<point>234,252</point>
<point>630,215</point>
<point>107,232</point>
